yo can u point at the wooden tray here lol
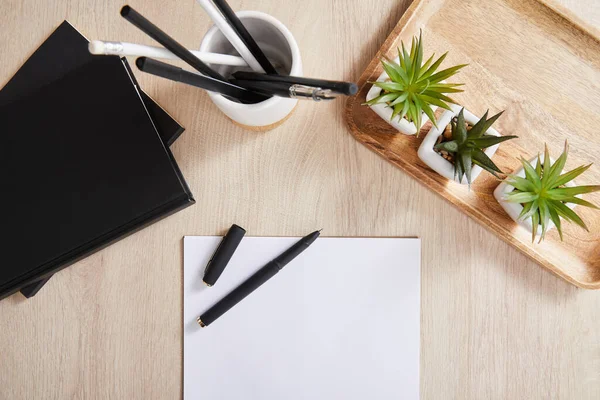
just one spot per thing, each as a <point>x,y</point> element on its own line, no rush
<point>536,64</point>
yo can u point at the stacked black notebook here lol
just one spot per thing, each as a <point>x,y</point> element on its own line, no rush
<point>83,163</point>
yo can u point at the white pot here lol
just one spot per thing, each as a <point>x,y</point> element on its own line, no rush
<point>514,209</point>
<point>280,47</point>
<point>435,161</point>
<point>385,112</point>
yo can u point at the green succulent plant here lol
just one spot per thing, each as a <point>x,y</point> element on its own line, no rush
<point>415,86</point>
<point>467,145</point>
<point>544,195</point>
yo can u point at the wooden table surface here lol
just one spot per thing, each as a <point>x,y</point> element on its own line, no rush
<point>494,324</point>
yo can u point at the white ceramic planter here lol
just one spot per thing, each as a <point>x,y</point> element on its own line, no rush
<point>435,161</point>
<point>514,209</point>
<point>385,112</point>
<point>280,47</point>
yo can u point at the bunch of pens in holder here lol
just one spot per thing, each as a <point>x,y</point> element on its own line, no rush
<point>249,63</point>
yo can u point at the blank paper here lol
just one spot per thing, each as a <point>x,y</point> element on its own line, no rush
<point>342,321</point>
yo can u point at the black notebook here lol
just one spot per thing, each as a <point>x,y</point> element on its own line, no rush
<point>64,50</point>
<point>82,165</point>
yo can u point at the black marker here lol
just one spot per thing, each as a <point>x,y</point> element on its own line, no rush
<point>256,280</point>
<point>177,74</point>
<point>285,89</point>
<point>244,35</point>
<point>347,88</point>
<point>168,42</point>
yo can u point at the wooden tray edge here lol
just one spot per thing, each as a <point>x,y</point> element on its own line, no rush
<point>424,180</point>
<point>572,18</point>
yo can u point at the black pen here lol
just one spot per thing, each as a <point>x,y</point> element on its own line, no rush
<point>244,35</point>
<point>346,88</point>
<point>256,280</point>
<point>168,42</point>
<point>284,89</point>
<point>177,74</point>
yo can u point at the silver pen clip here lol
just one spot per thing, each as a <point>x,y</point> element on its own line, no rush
<point>315,93</point>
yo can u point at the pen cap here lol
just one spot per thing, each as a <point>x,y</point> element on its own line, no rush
<point>223,254</point>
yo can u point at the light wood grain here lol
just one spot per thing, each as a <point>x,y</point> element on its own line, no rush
<point>538,107</point>
<point>582,13</point>
<point>494,324</point>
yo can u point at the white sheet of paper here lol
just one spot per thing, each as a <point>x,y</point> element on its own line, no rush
<point>341,321</point>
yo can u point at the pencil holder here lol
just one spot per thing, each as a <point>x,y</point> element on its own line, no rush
<point>280,47</point>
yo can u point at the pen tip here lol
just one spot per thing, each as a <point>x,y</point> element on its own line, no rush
<point>320,230</point>
<point>353,89</point>
<point>139,62</point>
<point>125,10</point>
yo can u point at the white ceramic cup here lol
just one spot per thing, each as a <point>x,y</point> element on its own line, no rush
<point>281,49</point>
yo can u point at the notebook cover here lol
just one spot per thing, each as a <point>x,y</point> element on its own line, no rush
<point>66,49</point>
<point>69,189</point>
<point>33,288</point>
<point>63,51</point>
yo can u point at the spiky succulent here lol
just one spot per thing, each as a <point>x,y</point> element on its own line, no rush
<point>415,86</point>
<point>467,145</point>
<point>544,195</point>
